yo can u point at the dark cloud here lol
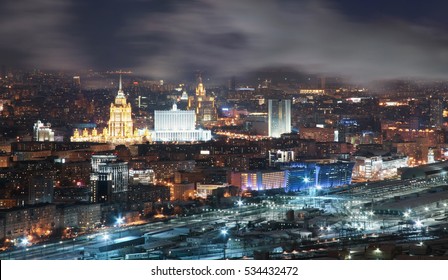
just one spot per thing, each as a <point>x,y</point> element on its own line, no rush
<point>34,34</point>
<point>311,36</point>
<point>380,40</point>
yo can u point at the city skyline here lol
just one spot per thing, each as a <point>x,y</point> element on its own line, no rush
<point>208,129</point>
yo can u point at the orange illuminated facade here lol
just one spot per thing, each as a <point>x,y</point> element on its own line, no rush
<point>120,129</point>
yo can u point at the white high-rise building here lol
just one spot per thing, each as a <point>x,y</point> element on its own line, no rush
<point>279,117</point>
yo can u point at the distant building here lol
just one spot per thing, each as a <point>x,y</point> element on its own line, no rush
<point>166,169</point>
<point>205,190</point>
<point>417,151</point>
<point>346,128</point>
<point>19,222</point>
<point>436,112</point>
<point>184,96</point>
<point>40,190</point>
<point>327,174</point>
<point>203,105</point>
<point>144,177</point>
<point>141,193</point>
<point>279,117</point>
<point>177,126</point>
<point>109,176</point>
<point>120,129</point>
<point>77,81</point>
<point>182,191</point>
<point>378,167</point>
<point>276,156</point>
<point>43,132</point>
<point>81,215</point>
<point>5,160</point>
<point>319,134</point>
<point>257,123</point>
<point>259,180</point>
<point>426,171</point>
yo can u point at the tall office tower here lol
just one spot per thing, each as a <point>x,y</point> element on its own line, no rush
<point>43,132</point>
<point>109,176</point>
<point>436,112</point>
<point>279,117</point>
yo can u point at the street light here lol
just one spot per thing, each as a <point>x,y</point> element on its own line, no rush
<point>106,237</point>
<point>418,224</point>
<point>224,233</point>
<point>119,221</point>
<point>24,242</point>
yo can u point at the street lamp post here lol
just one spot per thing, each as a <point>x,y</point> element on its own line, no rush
<point>24,243</point>
<point>119,222</point>
<point>106,239</point>
<point>42,249</point>
<point>224,233</point>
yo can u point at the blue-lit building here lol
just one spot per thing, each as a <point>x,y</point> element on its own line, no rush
<point>303,175</point>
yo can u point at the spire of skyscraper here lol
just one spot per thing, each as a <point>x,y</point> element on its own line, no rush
<point>120,89</point>
<point>200,90</point>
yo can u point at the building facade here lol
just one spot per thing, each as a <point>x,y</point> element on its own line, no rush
<point>203,105</point>
<point>42,132</point>
<point>327,174</point>
<point>378,167</point>
<point>177,126</point>
<point>120,128</point>
<point>109,176</point>
<point>259,180</point>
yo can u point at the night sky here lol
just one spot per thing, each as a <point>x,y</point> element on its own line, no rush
<point>364,40</point>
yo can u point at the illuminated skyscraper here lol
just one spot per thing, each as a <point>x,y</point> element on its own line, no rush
<point>279,117</point>
<point>203,105</point>
<point>120,122</point>
<point>120,129</point>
